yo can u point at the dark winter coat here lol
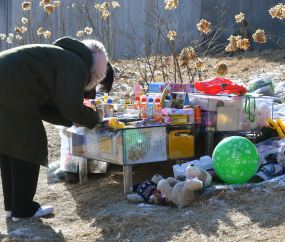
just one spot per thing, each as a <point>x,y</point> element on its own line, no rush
<point>42,82</point>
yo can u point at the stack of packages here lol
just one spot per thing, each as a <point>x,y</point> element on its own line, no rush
<point>175,105</point>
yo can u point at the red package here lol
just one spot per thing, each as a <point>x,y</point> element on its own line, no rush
<point>219,85</point>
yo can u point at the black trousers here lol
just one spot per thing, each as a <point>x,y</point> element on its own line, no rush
<point>19,182</point>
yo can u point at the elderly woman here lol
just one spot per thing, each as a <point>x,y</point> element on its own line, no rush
<point>43,82</point>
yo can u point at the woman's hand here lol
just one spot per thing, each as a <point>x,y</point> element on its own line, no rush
<point>101,116</point>
<point>78,125</point>
<point>101,113</point>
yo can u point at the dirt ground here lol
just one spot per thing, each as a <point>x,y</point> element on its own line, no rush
<point>99,210</point>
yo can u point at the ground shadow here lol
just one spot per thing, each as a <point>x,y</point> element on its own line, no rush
<point>103,202</point>
<point>31,230</point>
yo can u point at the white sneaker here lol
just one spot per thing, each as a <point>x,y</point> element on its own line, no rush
<point>42,211</point>
<point>8,214</point>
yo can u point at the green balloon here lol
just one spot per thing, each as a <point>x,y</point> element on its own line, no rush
<point>235,160</point>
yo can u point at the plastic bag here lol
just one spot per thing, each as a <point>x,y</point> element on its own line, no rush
<point>264,85</point>
<point>219,85</point>
<point>54,173</point>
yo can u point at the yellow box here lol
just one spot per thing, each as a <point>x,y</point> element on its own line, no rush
<point>178,119</point>
<point>181,146</point>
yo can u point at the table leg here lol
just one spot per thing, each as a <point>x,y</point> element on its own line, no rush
<point>83,173</point>
<point>209,143</point>
<point>127,170</point>
<point>179,162</point>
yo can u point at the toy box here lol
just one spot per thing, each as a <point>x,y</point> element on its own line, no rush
<point>179,87</point>
<point>179,99</point>
<point>156,87</point>
<point>174,87</point>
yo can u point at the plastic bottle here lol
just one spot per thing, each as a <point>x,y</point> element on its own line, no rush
<point>167,101</point>
<point>87,102</point>
<point>98,102</point>
<point>150,107</point>
<point>144,107</point>
<point>137,90</point>
<point>93,105</point>
<point>137,104</point>
<point>105,97</point>
<point>157,109</point>
<point>109,108</point>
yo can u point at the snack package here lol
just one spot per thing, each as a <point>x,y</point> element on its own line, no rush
<point>175,111</point>
<point>178,119</point>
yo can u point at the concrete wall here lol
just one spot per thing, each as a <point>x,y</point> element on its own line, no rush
<point>67,21</point>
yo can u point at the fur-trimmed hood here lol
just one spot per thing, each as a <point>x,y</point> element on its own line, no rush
<point>98,67</point>
<point>94,55</point>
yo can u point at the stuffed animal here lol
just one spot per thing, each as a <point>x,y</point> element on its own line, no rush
<point>202,175</point>
<point>183,192</point>
<point>144,191</point>
<point>160,198</point>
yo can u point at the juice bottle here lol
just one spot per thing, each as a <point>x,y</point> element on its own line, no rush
<point>109,108</point>
<point>105,97</point>
<point>144,107</point>
<point>98,102</point>
<point>157,109</point>
<point>137,104</point>
<point>150,107</point>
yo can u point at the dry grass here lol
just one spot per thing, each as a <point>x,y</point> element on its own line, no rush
<point>99,211</point>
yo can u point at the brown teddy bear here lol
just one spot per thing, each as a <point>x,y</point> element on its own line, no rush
<point>160,198</point>
<point>182,193</point>
<point>203,176</point>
